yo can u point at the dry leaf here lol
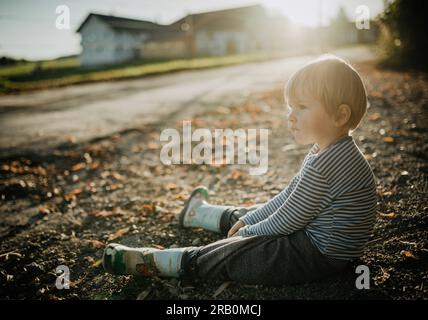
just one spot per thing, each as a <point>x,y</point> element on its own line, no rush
<point>44,210</point>
<point>97,263</point>
<point>167,216</point>
<point>72,194</point>
<point>94,243</point>
<point>170,186</point>
<point>158,246</point>
<point>236,174</point>
<point>95,165</point>
<point>118,176</point>
<point>181,196</point>
<point>153,146</point>
<point>389,215</point>
<point>78,166</point>
<point>375,116</point>
<point>149,208</point>
<point>89,259</point>
<point>104,213</point>
<point>248,203</point>
<point>407,254</point>
<point>118,233</point>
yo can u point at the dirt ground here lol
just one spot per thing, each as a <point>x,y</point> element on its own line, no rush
<point>60,207</point>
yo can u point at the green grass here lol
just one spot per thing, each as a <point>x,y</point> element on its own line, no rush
<point>66,71</point>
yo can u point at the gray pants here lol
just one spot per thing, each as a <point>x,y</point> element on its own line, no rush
<point>269,260</point>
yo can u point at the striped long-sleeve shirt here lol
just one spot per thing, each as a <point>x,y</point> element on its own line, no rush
<point>332,198</point>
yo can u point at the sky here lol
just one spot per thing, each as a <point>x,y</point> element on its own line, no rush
<point>28,31</point>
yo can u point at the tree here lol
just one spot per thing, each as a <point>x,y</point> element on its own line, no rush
<point>403,33</point>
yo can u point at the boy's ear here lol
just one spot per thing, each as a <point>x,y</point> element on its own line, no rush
<point>343,115</point>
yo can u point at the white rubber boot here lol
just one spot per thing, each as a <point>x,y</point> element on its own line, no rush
<point>120,259</point>
<point>198,213</point>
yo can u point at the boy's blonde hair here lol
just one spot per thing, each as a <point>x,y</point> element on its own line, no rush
<point>334,82</point>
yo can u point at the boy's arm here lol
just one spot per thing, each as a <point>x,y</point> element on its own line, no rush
<point>269,207</point>
<point>309,197</point>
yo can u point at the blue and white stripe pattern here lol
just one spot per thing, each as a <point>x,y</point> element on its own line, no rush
<point>332,197</point>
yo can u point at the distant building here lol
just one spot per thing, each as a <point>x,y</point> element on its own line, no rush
<point>215,33</point>
<point>111,40</point>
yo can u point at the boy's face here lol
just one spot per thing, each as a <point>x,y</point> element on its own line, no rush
<point>308,121</point>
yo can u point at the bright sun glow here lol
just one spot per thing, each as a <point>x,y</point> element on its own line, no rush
<point>302,12</point>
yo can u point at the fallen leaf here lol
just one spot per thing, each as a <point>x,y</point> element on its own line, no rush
<point>94,243</point>
<point>407,254</point>
<point>95,165</point>
<point>167,216</point>
<point>149,208</point>
<point>158,246</point>
<point>236,174</point>
<point>104,213</point>
<point>113,187</point>
<point>97,263</point>
<point>248,203</point>
<point>78,166</point>
<point>374,116</point>
<point>44,210</point>
<point>72,194</point>
<point>118,176</point>
<point>170,186</point>
<point>118,233</point>
<point>89,259</point>
<point>389,215</point>
<point>181,196</point>
<point>153,146</point>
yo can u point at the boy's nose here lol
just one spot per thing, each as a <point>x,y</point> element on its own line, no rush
<point>291,117</point>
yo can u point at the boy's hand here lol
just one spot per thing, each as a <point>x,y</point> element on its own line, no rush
<point>235,228</point>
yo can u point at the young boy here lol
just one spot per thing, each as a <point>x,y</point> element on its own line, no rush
<point>311,229</point>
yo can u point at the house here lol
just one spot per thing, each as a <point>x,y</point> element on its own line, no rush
<point>111,40</point>
<point>216,33</point>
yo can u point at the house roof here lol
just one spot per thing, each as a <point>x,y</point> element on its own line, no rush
<point>123,23</point>
<point>220,19</point>
<point>226,18</point>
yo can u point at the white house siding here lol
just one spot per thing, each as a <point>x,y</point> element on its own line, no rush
<point>218,43</point>
<point>166,48</point>
<point>102,44</point>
